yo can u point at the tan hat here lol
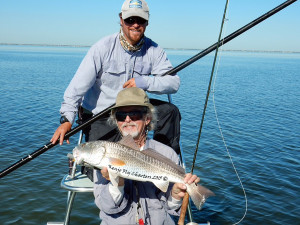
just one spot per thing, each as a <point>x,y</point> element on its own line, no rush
<point>132,96</point>
<point>135,8</point>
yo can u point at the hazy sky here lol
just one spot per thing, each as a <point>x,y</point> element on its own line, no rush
<point>173,24</point>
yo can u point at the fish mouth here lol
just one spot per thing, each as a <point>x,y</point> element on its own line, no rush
<point>76,154</point>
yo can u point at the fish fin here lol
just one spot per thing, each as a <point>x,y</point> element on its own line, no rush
<point>161,185</point>
<point>198,194</point>
<point>116,162</point>
<point>113,177</point>
<point>129,142</point>
<point>154,154</point>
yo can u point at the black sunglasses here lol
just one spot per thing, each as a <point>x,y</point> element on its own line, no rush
<point>134,115</point>
<point>133,20</point>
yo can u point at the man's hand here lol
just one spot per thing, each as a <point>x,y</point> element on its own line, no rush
<point>61,132</point>
<point>129,83</point>
<point>105,174</point>
<point>179,189</point>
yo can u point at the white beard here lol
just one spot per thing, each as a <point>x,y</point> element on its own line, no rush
<point>134,134</point>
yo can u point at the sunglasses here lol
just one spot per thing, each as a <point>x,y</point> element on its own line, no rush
<point>133,20</point>
<point>134,115</point>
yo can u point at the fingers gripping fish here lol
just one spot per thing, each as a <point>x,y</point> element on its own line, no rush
<point>124,159</point>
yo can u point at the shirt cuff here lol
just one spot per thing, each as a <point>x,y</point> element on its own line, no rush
<point>116,193</point>
<point>70,116</point>
<point>174,203</point>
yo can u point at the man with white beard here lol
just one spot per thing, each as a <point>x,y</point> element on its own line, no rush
<point>134,202</point>
<point>134,115</point>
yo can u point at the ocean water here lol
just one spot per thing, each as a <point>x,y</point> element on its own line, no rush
<point>256,102</point>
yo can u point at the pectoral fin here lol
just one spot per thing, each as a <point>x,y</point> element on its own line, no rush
<point>161,185</point>
<point>114,178</point>
<point>116,162</point>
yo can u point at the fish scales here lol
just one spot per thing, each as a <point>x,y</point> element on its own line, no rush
<point>140,161</point>
<point>129,162</point>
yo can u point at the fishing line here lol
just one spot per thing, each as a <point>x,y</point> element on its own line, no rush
<point>220,129</point>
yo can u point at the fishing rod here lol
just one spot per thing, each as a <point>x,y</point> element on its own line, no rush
<point>185,200</point>
<point>176,69</point>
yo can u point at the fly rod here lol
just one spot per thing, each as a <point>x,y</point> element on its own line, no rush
<point>185,200</point>
<point>176,69</point>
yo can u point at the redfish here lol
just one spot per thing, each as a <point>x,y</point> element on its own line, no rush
<point>124,159</point>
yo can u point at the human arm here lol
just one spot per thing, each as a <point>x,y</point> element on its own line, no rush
<point>79,85</point>
<point>110,199</point>
<point>83,80</point>
<point>155,62</point>
<point>156,84</point>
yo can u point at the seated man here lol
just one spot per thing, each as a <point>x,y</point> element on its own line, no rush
<point>134,202</point>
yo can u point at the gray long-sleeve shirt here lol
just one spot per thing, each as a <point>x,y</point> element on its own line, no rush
<point>107,66</point>
<point>154,208</point>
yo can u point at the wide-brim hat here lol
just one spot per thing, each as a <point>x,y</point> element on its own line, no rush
<point>132,96</point>
<point>135,8</point>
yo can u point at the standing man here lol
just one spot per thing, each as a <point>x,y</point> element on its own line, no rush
<point>134,202</point>
<point>122,60</point>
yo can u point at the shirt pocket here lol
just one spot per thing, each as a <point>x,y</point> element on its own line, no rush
<point>142,69</point>
<point>113,76</point>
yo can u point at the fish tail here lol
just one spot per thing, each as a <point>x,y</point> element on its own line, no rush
<point>198,194</point>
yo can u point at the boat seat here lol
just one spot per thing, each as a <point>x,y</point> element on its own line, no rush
<point>75,182</point>
<point>79,183</point>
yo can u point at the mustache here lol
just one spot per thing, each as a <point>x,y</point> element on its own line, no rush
<point>129,124</point>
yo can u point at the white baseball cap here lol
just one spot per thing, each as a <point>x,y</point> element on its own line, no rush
<point>135,8</point>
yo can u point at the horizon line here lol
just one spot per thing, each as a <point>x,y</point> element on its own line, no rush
<point>87,46</point>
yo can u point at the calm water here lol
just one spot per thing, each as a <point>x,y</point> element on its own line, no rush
<point>257,102</point>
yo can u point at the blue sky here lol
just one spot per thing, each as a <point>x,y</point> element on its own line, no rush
<point>173,24</point>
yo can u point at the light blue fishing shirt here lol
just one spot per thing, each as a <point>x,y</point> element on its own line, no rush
<point>155,208</point>
<point>107,66</point>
